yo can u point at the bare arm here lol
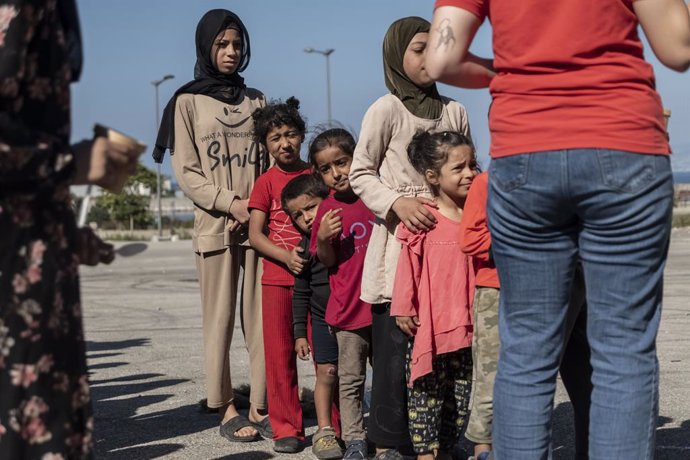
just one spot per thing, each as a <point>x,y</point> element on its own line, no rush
<point>474,72</point>
<point>326,253</point>
<point>447,57</point>
<point>666,23</point>
<point>259,241</point>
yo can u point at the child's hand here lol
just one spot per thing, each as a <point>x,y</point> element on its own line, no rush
<point>413,214</point>
<point>302,349</point>
<point>295,262</point>
<point>92,250</point>
<point>407,324</point>
<point>233,225</point>
<point>331,225</point>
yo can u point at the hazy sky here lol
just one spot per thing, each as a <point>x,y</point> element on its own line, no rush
<point>129,43</point>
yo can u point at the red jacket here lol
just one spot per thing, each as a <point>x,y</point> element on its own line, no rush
<point>476,239</point>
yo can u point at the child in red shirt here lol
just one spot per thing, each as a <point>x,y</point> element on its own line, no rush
<point>432,297</point>
<point>340,236</point>
<point>280,128</point>
<point>476,243</point>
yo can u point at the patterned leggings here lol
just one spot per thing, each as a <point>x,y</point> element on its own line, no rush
<point>438,402</point>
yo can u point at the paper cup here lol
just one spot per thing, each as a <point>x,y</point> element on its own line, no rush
<point>119,137</point>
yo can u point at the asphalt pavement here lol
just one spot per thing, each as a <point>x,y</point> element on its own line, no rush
<point>143,330</point>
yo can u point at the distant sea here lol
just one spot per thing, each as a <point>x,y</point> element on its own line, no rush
<point>682,177</point>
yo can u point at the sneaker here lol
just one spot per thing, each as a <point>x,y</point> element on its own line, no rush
<point>390,454</point>
<point>355,450</point>
<point>325,444</point>
<point>289,445</point>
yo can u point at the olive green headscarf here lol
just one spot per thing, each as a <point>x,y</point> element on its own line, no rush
<point>422,102</point>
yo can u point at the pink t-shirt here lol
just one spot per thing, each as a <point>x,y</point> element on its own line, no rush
<point>266,197</point>
<point>345,310</point>
<point>435,282</point>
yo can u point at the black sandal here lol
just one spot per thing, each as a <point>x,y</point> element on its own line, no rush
<point>264,428</point>
<point>228,429</point>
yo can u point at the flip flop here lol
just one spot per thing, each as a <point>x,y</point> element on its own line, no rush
<point>264,428</point>
<point>228,429</point>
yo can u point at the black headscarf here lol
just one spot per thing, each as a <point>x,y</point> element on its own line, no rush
<point>69,17</point>
<point>422,102</point>
<point>207,79</point>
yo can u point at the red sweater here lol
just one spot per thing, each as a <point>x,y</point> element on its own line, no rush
<point>474,229</point>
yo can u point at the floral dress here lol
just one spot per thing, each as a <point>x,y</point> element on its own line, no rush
<point>45,408</point>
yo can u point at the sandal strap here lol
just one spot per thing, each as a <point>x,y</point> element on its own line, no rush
<point>237,423</point>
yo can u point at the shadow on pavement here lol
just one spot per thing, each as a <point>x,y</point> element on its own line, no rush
<point>563,438</point>
<point>146,452</point>
<point>672,443</point>
<point>106,365</point>
<point>247,456</point>
<point>92,346</point>
<point>126,378</point>
<point>121,431</point>
<point>117,427</point>
<point>102,355</point>
<point>103,392</point>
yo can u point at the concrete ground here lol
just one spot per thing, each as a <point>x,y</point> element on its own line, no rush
<point>143,326</point>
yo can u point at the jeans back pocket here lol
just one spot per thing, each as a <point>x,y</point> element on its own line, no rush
<point>509,173</point>
<point>625,171</point>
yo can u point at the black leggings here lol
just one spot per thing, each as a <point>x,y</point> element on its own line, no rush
<point>388,412</point>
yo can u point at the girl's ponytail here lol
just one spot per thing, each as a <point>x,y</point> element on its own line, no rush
<point>430,150</point>
<point>420,151</point>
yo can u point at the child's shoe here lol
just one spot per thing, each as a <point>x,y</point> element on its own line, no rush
<point>289,445</point>
<point>484,455</point>
<point>325,445</point>
<point>355,450</point>
<point>390,454</point>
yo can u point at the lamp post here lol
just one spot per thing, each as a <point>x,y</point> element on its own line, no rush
<point>327,53</point>
<point>156,84</point>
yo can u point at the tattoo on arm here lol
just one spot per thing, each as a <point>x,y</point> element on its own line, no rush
<point>445,35</point>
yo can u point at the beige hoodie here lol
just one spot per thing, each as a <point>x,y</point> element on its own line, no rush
<point>381,173</point>
<point>216,161</point>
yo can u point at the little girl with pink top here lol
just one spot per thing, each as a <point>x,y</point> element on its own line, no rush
<point>432,297</point>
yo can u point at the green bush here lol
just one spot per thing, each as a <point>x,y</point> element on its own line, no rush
<point>681,220</point>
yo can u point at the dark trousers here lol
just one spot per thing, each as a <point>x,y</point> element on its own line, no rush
<point>576,369</point>
<point>388,412</point>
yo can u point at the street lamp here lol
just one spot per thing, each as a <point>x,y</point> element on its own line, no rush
<point>327,53</point>
<point>156,84</point>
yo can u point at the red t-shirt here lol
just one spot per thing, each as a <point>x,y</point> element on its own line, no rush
<point>266,197</point>
<point>475,238</point>
<point>345,310</point>
<point>570,74</point>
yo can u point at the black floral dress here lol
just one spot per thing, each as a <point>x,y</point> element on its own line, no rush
<point>45,408</point>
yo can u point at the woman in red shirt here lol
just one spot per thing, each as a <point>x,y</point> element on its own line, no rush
<point>580,170</point>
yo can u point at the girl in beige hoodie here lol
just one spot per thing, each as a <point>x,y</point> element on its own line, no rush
<point>208,127</point>
<point>383,178</point>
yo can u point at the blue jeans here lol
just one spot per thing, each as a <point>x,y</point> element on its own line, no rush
<point>612,210</point>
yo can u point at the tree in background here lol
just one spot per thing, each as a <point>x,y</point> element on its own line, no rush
<point>130,208</point>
